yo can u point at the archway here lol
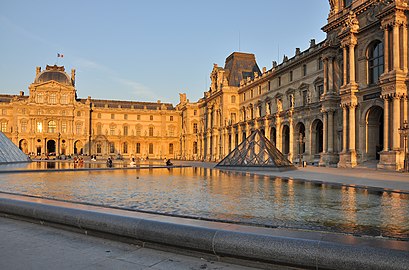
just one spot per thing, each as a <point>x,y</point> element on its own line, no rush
<point>51,147</point>
<point>374,132</point>
<point>317,138</point>
<point>78,147</point>
<point>286,140</point>
<point>273,135</point>
<point>23,145</point>
<point>300,129</point>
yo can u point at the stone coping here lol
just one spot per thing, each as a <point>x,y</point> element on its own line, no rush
<point>279,246</point>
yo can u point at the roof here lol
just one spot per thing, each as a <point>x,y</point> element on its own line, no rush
<point>239,66</point>
<point>54,73</point>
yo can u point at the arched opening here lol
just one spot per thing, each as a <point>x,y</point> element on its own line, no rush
<point>374,132</point>
<point>51,147</point>
<point>317,137</point>
<point>23,145</point>
<point>286,140</point>
<point>78,148</point>
<point>63,147</point>
<point>273,135</point>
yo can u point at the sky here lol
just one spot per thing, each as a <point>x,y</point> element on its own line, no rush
<point>148,50</point>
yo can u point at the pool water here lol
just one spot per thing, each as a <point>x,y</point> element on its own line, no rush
<point>227,196</point>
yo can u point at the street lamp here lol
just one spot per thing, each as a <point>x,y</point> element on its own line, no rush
<point>300,142</point>
<point>403,131</point>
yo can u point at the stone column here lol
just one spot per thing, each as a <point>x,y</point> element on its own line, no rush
<point>325,76</point>
<point>396,51</point>
<point>352,63</point>
<point>352,134</point>
<point>386,123</point>
<point>325,133</point>
<point>267,128</point>
<point>396,123</point>
<point>344,128</point>
<point>386,48</point>
<point>291,154</point>
<point>330,131</point>
<point>345,64</point>
<point>405,47</point>
<point>331,75</point>
<point>405,108</point>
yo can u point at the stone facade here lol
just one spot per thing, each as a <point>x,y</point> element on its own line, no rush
<point>340,102</point>
<point>51,120</point>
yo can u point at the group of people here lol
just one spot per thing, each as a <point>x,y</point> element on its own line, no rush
<point>109,162</point>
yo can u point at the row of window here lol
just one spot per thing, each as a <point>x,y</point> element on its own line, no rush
<point>138,130</point>
<point>125,117</point>
<point>125,148</point>
<point>52,98</point>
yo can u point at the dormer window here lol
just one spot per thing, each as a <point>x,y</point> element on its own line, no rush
<point>347,3</point>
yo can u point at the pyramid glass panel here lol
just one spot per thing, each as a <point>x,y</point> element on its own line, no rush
<point>9,152</point>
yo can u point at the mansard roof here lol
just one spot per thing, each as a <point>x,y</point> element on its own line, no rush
<point>102,103</point>
<point>239,66</point>
<point>54,73</point>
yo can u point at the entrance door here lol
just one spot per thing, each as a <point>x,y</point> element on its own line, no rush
<point>374,132</point>
<point>51,147</point>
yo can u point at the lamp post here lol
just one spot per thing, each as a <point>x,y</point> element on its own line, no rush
<point>300,142</point>
<point>403,131</point>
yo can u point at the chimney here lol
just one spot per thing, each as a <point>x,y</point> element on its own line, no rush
<point>21,93</point>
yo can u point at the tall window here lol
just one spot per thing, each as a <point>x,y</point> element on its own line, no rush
<point>151,117</point>
<point>304,70</point>
<point>279,81</point>
<point>99,148</point>
<point>194,148</point>
<point>125,130</point>
<point>125,117</point>
<point>125,148</point>
<point>151,148</point>
<point>112,130</point>
<point>171,148</point>
<point>3,126</point>
<point>138,130</point>
<point>150,131</point>
<point>64,99</point>
<point>171,118</point>
<point>99,129</point>
<point>111,147</point>
<point>291,76</point>
<point>78,128</point>
<point>52,126</point>
<point>40,98</point>
<point>138,148</point>
<point>23,126</point>
<point>375,62</point>
<point>138,117</point>
<point>194,127</point>
<point>39,127</point>
<point>52,99</point>
<point>171,131</point>
<point>64,127</point>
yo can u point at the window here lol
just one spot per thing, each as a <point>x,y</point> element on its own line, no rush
<point>3,126</point>
<point>63,113</point>
<point>39,127</point>
<point>64,127</point>
<point>151,148</point>
<point>23,126</point>
<point>40,98</point>
<point>151,117</point>
<point>111,147</point>
<point>125,148</point>
<point>171,131</point>
<point>52,99</point>
<point>268,86</point>
<point>112,116</point>
<point>194,127</point>
<point>52,126</point>
<point>233,99</point>
<point>99,148</point>
<point>112,130</point>
<point>291,76</point>
<point>99,115</point>
<point>244,96</point>
<point>125,117</point>
<point>150,131</point>
<point>171,149</point>
<point>3,112</point>
<point>138,117</point>
<point>259,90</point>
<point>304,70</point>
<point>279,81</point>
<point>375,62</point>
<point>320,64</point>
<point>78,128</point>
<point>194,148</point>
<point>125,130</point>
<point>138,148</point>
<point>99,129</point>
<point>171,118</point>
<point>291,100</point>
<point>320,89</point>
<point>251,93</point>
<point>64,99</point>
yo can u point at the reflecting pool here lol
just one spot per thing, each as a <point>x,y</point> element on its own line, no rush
<point>226,196</point>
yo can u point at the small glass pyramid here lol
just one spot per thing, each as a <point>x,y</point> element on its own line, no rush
<point>9,152</point>
<point>256,152</point>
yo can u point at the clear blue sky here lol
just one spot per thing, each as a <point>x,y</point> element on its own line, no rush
<point>148,50</point>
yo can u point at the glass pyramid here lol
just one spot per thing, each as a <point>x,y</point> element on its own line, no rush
<point>256,152</point>
<point>9,152</point>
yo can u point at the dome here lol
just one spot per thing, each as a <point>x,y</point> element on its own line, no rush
<point>53,75</point>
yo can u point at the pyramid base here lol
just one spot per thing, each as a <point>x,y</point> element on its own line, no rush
<point>256,168</point>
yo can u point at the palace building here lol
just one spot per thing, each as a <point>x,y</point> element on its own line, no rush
<point>341,102</point>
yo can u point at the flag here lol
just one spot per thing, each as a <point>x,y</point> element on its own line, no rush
<point>60,55</point>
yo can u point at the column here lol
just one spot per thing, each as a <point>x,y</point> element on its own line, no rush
<point>396,123</point>
<point>331,75</point>
<point>385,123</point>
<point>291,139</point>
<point>325,76</point>
<point>405,108</point>
<point>344,128</point>
<point>396,52</point>
<point>352,63</point>
<point>405,47</point>
<point>325,133</point>
<point>330,131</point>
<point>386,48</point>
<point>345,64</point>
<point>352,134</point>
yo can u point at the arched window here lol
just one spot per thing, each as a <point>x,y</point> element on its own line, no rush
<point>375,62</point>
<point>52,126</point>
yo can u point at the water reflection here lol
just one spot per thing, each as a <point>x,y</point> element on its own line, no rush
<point>232,196</point>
